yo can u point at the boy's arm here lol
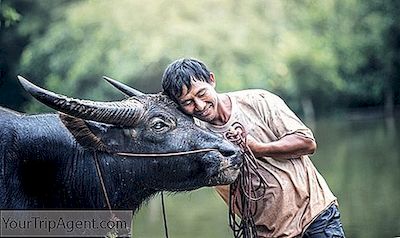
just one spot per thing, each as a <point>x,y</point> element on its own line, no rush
<point>289,146</point>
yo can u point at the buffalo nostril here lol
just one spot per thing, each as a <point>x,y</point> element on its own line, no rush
<point>228,153</point>
<point>228,149</point>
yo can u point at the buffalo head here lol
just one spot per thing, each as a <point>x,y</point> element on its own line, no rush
<point>147,124</point>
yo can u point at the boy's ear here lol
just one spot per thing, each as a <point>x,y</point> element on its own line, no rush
<point>212,79</point>
<point>86,133</point>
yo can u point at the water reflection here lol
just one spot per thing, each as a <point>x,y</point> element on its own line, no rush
<point>359,159</point>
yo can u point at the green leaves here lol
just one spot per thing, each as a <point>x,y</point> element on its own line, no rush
<point>318,49</point>
<point>8,15</point>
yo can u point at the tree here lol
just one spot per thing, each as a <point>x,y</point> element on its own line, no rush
<point>320,53</point>
<point>21,21</point>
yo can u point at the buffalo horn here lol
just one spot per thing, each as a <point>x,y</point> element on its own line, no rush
<point>124,113</point>
<point>123,87</point>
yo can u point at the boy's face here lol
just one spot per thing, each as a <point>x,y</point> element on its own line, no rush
<point>201,101</point>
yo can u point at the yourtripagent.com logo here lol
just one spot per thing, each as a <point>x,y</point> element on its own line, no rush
<point>75,223</point>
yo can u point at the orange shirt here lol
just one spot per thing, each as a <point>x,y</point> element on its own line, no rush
<point>296,192</point>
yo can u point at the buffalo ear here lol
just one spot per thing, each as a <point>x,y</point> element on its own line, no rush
<point>85,132</point>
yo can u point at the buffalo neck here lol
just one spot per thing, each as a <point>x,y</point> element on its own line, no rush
<point>59,173</point>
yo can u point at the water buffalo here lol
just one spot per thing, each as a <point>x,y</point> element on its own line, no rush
<point>47,160</point>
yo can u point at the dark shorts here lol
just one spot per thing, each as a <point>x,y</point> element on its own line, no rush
<point>327,225</point>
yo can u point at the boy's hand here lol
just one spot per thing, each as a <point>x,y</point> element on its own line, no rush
<point>253,145</point>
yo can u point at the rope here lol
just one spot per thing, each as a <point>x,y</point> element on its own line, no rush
<point>113,217</point>
<point>164,215</point>
<point>248,188</point>
<point>103,186</point>
<point>165,154</point>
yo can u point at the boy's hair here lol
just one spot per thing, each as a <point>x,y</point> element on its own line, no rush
<point>180,73</point>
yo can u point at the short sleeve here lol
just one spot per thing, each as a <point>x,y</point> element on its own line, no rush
<point>279,117</point>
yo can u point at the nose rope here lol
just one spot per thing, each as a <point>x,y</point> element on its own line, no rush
<point>249,187</point>
<point>166,154</point>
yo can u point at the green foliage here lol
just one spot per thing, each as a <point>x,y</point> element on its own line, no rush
<point>130,37</point>
<point>362,47</point>
<point>341,53</point>
<point>8,15</point>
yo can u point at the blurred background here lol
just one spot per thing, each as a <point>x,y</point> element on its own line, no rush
<point>335,62</point>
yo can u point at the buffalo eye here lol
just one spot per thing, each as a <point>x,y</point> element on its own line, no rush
<point>159,126</point>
